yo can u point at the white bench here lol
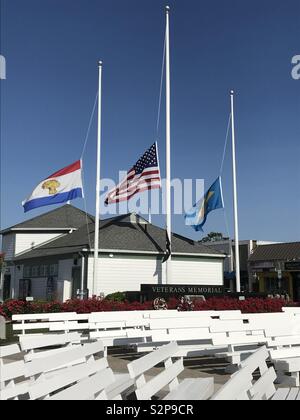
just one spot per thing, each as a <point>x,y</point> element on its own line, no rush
<point>191,314</point>
<point>78,372</point>
<point>39,346</point>
<point>292,310</point>
<point>42,322</point>
<point>287,394</point>
<point>67,322</point>
<point>188,389</point>
<point>102,321</point>
<point>2,328</point>
<point>286,359</point>
<point>241,386</point>
<point>244,339</point>
<point>70,379</point>
<point>12,382</point>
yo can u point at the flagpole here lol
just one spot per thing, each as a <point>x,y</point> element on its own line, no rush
<point>98,174</point>
<point>150,216</point>
<point>168,145</point>
<point>235,204</point>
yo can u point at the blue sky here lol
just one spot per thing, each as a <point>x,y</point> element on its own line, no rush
<point>52,48</point>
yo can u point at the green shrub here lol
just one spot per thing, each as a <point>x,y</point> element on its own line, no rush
<point>116,297</point>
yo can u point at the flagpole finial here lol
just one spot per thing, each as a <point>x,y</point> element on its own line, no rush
<point>232,92</point>
<point>100,63</point>
<point>168,9</point>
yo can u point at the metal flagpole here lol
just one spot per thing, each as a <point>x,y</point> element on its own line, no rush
<point>168,145</point>
<point>98,173</point>
<point>235,204</point>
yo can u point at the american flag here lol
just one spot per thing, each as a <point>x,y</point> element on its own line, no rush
<point>145,175</point>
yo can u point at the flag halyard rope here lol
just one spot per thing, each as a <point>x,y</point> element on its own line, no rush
<point>82,154</point>
<point>221,172</point>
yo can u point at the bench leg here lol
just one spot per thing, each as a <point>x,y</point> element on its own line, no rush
<point>291,380</point>
<point>232,368</point>
<point>295,379</point>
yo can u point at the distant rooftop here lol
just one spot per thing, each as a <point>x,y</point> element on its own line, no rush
<point>283,251</point>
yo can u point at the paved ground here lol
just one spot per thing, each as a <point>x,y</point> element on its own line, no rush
<point>203,367</point>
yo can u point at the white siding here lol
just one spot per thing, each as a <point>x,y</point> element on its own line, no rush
<point>64,283</point>
<point>195,271</point>
<point>120,274</point>
<point>8,245</point>
<point>39,288</point>
<point>26,241</point>
<point>127,273</point>
<point>224,248</point>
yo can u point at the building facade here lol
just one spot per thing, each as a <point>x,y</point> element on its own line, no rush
<point>51,257</point>
<point>246,248</point>
<point>275,269</point>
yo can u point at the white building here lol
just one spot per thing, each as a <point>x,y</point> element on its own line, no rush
<point>51,256</point>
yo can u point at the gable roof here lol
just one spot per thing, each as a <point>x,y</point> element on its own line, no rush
<point>286,251</point>
<point>63,218</point>
<point>128,233</point>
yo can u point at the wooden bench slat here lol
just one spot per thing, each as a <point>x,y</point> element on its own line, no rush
<point>65,378</point>
<point>32,326</point>
<point>137,367</point>
<point>192,390</point>
<point>87,388</point>
<point>14,391</point>
<point>47,340</point>
<point>12,370</point>
<point>10,350</point>
<point>293,394</point>
<point>160,381</point>
<point>179,323</point>
<point>285,353</point>
<point>122,382</point>
<point>57,360</point>
<point>281,394</point>
<point>43,316</point>
<point>264,388</point>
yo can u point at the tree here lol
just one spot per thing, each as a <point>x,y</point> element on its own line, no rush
<point>213,237</point>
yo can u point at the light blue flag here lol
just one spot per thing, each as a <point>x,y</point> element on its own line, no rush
<point>213,200</point>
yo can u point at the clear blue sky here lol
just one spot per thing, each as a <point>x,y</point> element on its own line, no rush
<point>52,48</point>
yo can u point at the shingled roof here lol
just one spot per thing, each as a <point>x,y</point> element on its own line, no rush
<point>64,217</point>
<point>128,233</point>
<point>282,252</point>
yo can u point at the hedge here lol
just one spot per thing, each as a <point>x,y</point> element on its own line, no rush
<point>251,305</point>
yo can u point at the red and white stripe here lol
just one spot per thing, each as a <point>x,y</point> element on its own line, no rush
<point>69,178</point>
<point>133,184</point>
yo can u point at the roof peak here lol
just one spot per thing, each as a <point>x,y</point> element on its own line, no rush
<point>66,216</point>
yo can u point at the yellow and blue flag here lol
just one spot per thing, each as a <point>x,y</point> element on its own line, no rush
<point>213,200</point>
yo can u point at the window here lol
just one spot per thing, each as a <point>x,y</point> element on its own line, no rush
<point>35,271</point>
<point>53,270</point>
<point>44,270</point>
<point>27,271</point>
